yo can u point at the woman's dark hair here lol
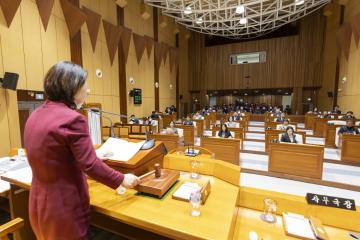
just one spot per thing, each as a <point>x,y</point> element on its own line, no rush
<point>226,127</point>
<point>290,127</point>
<point>63,81</point>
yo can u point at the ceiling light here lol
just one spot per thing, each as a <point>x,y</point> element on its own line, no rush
<point>240,9</point>
<point>243,21</point>
<point>199,20</point>
<point>299,2</point>
<point>187,10</point>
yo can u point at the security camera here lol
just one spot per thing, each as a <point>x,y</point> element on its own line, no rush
<point>131,81</point>
<point>99,73</point>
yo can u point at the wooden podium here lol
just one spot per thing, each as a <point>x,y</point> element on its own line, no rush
<point>350,148</point>
<point>226,149</point>
<point>142,162</point>
<point>302,160</point>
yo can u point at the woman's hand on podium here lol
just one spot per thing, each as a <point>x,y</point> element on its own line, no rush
<point>130,181</point>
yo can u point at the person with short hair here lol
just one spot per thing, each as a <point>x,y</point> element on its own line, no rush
<point>61,155</point>
<point>349,128</point>
<point>349,115</point>
<point>188,121</point>
<point>133,119</point>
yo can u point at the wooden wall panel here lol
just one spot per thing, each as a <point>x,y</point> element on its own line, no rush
<point>294,61</point>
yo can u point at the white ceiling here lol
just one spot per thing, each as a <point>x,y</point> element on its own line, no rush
<point>219,17</point>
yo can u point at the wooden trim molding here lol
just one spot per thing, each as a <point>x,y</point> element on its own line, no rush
<point>75,41</point>
<point>93,22</point>
<point>156,67</point>
<point>122,69</point>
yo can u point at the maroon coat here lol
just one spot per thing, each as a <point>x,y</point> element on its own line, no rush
<point>60,153</point>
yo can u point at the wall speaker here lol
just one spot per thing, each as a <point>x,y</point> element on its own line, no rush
<point>330,94</point>
<point>10,81</point>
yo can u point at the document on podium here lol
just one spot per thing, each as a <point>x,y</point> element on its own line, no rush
<point>119,149</point>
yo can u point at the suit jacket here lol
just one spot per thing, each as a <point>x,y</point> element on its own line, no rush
<point>345,129</point>
<point>227,134</point>
<point>61,154</point>
<point>285,138</point>
<point>188,123</point>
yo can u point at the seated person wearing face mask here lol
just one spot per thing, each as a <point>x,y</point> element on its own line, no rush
<point>349,128</point>
<point>281,118</point>
<point>349,115</point>
<point>224,132</point>
<point>283,126</point>
<point>188,121</point>
<point>171,129</point>
<point>133,120</point>
<point>289,136</point>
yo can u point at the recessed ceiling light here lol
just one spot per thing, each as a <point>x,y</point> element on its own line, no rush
<point>188,10</point>
<point>299,2</point>
<point>199,20</point>
<point>240,9</point>
<point>243,21</point>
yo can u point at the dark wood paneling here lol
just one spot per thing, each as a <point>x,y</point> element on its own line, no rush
<point>75,42</point>
<point>9,8</point>
<point>122,70</point>
<point>156,69</point>
<point>45,7</point>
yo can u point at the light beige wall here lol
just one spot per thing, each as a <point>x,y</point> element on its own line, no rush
<point>349,96</point>
<point>142,73</point>
<point>25,48</point>
<point>104,90</point>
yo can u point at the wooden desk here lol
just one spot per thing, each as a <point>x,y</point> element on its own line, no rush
<point>257,117</point>
<point>296,159</point>
<point>171,141</point>
<point>136,216</point>
<point>226,149</point>
<point>249,220</point>
<point>271,135</point>
<point>350,148</point>
<point>199,127</point>
<point>142,162</point>
<point>318,126</point>
<point>189,133</point>
<point>309,120</point>
<point>166,119</point>
<point>329,134</point>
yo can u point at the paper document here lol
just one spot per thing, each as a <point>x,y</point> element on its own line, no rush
<point>298,225</point>
<point>119,149</point>
<point>185,190</point>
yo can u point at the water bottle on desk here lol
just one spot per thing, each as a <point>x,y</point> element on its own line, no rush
<point>195,200</point>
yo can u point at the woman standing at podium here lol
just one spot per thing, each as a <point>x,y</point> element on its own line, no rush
<point>61,154</point>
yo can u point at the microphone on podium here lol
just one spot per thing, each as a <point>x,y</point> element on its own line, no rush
<point>149,143</point>
<point>98,111</point>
